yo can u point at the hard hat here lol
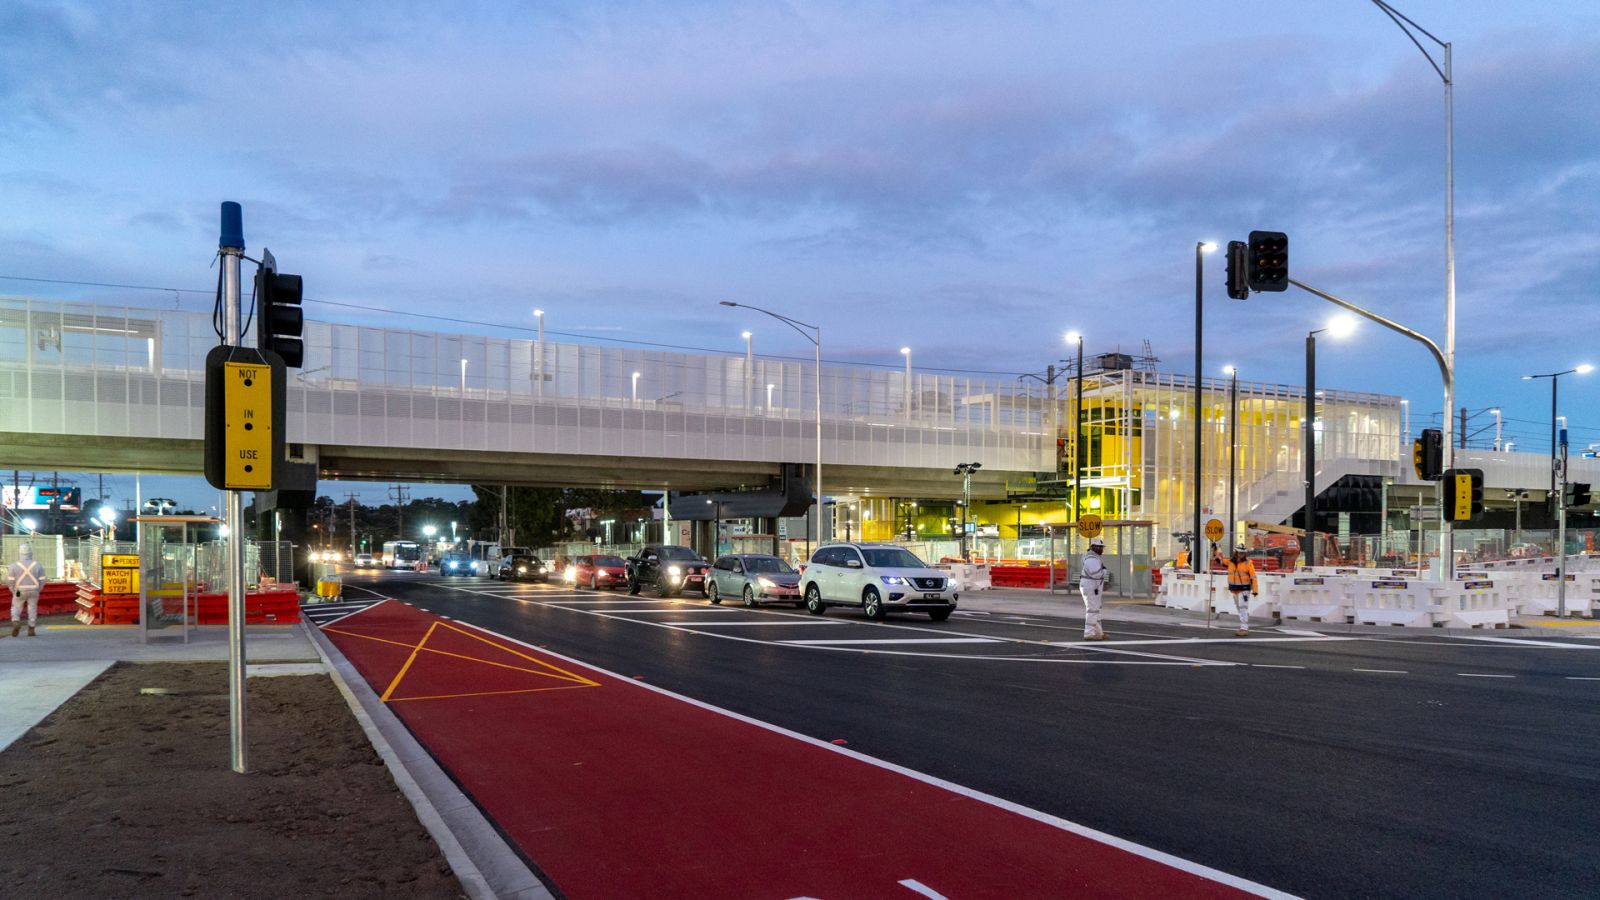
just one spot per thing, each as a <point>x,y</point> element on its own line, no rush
<point>1238,548</point>
<point>1097,543</point>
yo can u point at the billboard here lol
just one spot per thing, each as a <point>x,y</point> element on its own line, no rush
<point>34,497</point>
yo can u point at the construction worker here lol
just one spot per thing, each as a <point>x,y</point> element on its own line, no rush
<point>1182,562</point>
<point>1241,578</point>
<point>1091,581</point>
<point>25,577</point>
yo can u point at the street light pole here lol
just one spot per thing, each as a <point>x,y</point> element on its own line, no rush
<point>1558,482</point>
<point>749,362</point>
<point>1200,249</point>
<point>538,373</point>
<point>1310,445</point>
<point>1077,423</point>
<point>815,338</point>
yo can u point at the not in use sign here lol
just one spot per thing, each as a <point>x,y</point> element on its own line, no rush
<point>247,440</point>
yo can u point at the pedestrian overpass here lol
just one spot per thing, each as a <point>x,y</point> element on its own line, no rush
<point>89,387</point>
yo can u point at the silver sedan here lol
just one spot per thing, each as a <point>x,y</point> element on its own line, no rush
<point>754,578</point>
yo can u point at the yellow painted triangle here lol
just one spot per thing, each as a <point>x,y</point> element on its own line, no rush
<point>546,670</point>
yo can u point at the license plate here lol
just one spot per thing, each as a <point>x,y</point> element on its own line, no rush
<point>930,596</point>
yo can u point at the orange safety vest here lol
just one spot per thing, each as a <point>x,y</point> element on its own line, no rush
<point>1242,576</point>
<point>1182,562</point>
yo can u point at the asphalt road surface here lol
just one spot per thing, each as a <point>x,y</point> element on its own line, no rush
<point>1325,766</point>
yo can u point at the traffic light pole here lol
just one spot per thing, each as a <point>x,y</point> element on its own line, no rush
<point>1561,528</point>
<point>1447,561</point>
<point>231,247</point>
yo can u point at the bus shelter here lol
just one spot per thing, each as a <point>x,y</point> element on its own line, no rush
<point>175,554</point>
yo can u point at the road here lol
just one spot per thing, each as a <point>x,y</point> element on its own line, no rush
<point>1414,765</point>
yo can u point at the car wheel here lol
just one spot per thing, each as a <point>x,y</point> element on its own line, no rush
<point>939,615</point>
<point>814,604</point>
<point>663,590</point>
<point>633,586</point>
<point>594,582</point>
<point>749,595</point>
<point>872,604</point>
<point>711,592</point>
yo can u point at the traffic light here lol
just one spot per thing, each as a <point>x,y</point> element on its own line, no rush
<point>1427,454</point>
<point>1463,493</point>
<point>1238,289</point>
<point>1267,266</point>
<point>1578,494</point>
<point>279,319</point>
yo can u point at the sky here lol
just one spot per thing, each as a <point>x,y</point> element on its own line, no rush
<point>969,179</point>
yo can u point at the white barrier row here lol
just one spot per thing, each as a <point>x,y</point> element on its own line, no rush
<point>1476,602</point>
<point>968,576</point>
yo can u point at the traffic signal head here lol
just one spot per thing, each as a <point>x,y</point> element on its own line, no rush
<point>1578,494</point>
<point>1238,289</point>
<point>1267,265</point>
<point>279,319</point>
<point>1427,454</point>
<point>1463,495</point>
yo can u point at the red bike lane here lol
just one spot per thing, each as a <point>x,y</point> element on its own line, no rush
<point>617,789</point>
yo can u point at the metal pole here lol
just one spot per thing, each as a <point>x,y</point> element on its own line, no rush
<point>1077,434</point>
<point>1311,449</point>
<point>817,479</point>
<point>1497,430</point>
<point>1199,267</point>
<point>1561,531</point>
<point>1447,540</point>
<point>232,249</point>
<point>1233,454</point>
<point>539,314</point>
<point>1554,380</point>
<point>749,363</point>
<point>906,351</point>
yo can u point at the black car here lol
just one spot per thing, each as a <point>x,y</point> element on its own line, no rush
<point>455,564</point>
<point>667,568</point>
<point>523,568</point>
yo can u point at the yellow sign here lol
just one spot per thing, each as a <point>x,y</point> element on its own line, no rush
<point>247,423</point>
<point>1461,497</point>
<point>119,573</point>
<point>1214,530</point>
<point>1089,525</point>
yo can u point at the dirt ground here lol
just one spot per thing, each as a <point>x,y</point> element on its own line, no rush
<point>127,794</point>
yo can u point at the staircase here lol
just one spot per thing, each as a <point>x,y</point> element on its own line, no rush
<point>1284,493</point>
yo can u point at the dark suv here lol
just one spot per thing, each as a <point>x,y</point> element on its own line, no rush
<point>667,568</point>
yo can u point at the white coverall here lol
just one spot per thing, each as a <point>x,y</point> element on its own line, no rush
<point>1091,580</point>
<point>25,577</point>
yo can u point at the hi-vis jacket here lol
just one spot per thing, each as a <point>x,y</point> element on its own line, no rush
<point>1242,576</point>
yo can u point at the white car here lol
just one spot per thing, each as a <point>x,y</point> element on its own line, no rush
<point>365,561</point>
<point>879,578</point>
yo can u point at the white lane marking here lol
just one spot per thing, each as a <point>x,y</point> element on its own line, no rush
<point>762,624</point>
<point>1176,862</point>
<point>1554,645</point>
<point>326,622</point>
<point>1383,671</point>
<point>1265,666</point>
<point>869,641</point>
<point>1187,660</point>
<point>1300,633</point>
<point>1475,675</point>
<point>1169,642</point>
<point>922,889</point>
<point>672,610</point>
<point>1581,678</point>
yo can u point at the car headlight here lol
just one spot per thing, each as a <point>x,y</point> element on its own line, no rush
<point>674,570</point>
<point>893,579</point>
<point>522,570</point>
<point>602,574</point>
<point>571,574</point>
<point>543,570</point>
<point>766,582</point>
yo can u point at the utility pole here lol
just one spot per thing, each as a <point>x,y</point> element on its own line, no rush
<point>353,548</point>
<point>398,494</point>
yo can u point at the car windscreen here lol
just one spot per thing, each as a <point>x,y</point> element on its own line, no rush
<point>891,558</point>
<point>765,564</point>
<point>608,561</point>
<point>679,553</point>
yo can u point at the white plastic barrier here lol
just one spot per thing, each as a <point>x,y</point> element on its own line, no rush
<point>969,576</point>
<point>1262,606</point>
<point>1187,590</point>
<point>1314,598</point>
<point>1536,593</point>
<point>1392,601</point>
<point>1476,603</point>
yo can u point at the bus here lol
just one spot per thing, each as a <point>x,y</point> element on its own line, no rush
<point>401,554</point>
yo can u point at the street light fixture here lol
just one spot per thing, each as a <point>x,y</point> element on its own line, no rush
<point>31,525</point>
<point>816,339</point>
<point>1339,326</point>
<point>1201,248</point>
